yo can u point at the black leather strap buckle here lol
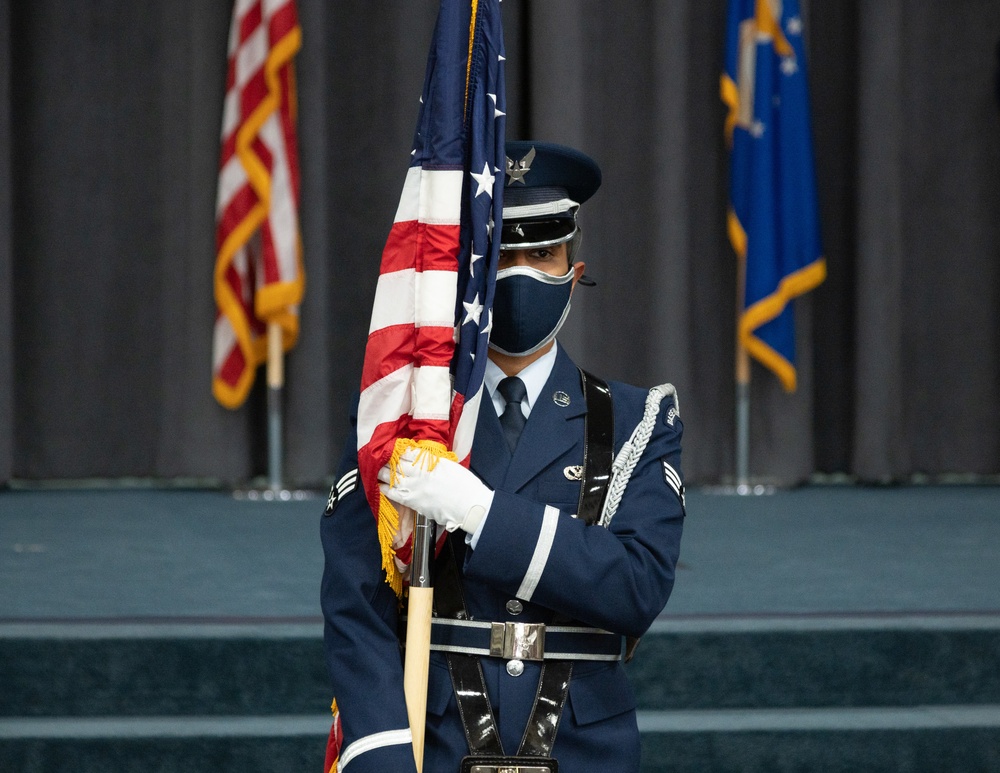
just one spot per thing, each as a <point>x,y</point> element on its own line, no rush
<point>502,764</point>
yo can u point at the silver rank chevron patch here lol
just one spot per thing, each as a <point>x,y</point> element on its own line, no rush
<point>347,483</point>
<point>674,481</point>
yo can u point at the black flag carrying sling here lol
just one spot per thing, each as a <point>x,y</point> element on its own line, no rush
<point>598,448</point>
<point>486,754</point>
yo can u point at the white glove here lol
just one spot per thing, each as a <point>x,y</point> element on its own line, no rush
<point>449,494</point>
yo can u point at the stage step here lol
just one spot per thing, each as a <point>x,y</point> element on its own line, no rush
<point>799,693</point>
<point>916,693</point>
<point>803,661</point>
<point>273,744</point>
<point>132,669</point>
<point>163,696</point>
<point>832,745</point>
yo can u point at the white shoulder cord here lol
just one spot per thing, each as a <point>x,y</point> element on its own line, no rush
<point>624,464</point>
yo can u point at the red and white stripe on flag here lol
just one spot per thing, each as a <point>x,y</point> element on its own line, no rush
<point>406,382</point>
<point>259,278</point>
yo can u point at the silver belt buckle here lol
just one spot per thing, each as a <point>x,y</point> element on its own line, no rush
<point>520,641</point>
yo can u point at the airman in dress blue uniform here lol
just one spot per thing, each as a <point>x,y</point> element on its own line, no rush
<point>534,587</point>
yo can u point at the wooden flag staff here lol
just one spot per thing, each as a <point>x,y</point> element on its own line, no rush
<point>418,635</point>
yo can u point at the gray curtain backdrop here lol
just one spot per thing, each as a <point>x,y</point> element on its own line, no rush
<point>6,262</point>
<point>109,131</point>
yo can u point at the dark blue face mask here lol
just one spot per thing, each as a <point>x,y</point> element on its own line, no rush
<point>529,307</point>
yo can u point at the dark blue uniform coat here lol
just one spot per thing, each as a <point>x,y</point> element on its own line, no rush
<point>617,579</point>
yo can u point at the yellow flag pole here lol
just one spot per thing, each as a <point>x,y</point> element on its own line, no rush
<point>416,663</point>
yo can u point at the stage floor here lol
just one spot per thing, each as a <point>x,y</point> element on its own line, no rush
<point>204,556</point>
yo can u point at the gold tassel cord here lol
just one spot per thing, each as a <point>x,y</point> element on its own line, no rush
<point>429,452</point>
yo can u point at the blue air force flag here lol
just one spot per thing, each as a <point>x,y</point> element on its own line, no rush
<point>773,217</point>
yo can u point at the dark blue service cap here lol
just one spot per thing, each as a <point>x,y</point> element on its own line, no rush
<point>545,184</point>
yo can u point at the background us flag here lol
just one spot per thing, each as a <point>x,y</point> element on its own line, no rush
<point>258,270</point>
<point>773,220</point>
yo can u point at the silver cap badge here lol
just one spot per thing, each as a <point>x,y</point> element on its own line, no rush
<point>516,170</point>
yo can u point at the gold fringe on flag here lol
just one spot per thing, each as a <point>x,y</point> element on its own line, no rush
<point>429,453</point>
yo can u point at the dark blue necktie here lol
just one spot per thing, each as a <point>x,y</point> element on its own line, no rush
<point>512,419</point>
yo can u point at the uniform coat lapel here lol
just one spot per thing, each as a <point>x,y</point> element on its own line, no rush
<point>548,434</point>
<point>550,430</point>
<point>490,454</point>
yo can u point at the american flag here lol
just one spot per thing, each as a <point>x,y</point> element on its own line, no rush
<point>258,269</point>
<point>427,343</point>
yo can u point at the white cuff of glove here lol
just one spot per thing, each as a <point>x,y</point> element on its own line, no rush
<point>450,495</point>
<point>474,518</point>
<point>472,538</point>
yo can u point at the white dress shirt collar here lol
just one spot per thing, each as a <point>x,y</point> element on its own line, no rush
<point>534,377</point>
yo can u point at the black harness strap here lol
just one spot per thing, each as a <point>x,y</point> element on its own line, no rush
<point>598,448</point>
<point>550,699</point>
<point>598,454</point>
<point>597,460</point>
<point>467,678</point>
<point>474,707</point>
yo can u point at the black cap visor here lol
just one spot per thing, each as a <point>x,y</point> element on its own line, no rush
<point>537,232</point>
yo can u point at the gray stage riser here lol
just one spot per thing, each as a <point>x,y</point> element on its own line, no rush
<point>817,668</point>
<point>968,750</point>
<point>154,755</point>
<point>159,677</point>
<point>232,676</point>
<point>956,750</point>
